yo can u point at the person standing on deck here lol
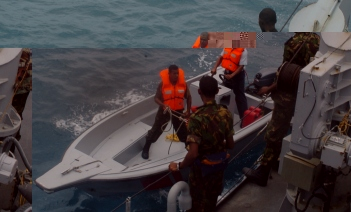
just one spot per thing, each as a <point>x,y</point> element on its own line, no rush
<point>284,104</point>
<point>234,61</point>
<point>211,132</point>
<point>170,94</point>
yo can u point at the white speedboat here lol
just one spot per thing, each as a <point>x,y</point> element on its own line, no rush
<point>106,159</point>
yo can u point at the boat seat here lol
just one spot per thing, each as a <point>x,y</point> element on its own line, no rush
<point>119,143</point>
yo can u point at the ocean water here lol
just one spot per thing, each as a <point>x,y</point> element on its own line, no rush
<point>75,88</point>
<point>129,24</point>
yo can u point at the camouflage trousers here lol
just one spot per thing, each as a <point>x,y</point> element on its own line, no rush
<point>204,191</point>
<point>276,130</point>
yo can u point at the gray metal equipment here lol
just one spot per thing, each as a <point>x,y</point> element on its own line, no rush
<point>322,16</point>
<point>10,123</point>
<point>316,158</point>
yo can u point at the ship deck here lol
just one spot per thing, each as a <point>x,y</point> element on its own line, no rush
<point>251,197</point>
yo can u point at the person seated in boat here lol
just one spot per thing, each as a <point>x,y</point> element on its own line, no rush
<point>202,40</point>
<point>297,50</point>
<point>234,61</point>
<point>210,40</point>
<point>170,95</point>
<point>267,19</point>
<point>210,134</point>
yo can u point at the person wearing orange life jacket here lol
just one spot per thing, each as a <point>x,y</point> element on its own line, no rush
<point>234,61</point>
<point>171,93</point>
<point>202,40</point>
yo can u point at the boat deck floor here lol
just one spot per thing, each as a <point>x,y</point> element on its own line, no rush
<point>108,149</point>
<point>120,139</point>
<point>236,119</point>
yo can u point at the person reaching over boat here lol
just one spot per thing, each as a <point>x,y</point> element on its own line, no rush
<point>210,133</point>
<point>234,61</point>
<point>297,53</point>
<point>170,94</point>
<point>267,20</point>
<point>202,40</point>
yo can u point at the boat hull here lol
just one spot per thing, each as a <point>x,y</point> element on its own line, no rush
<point>108,187</point>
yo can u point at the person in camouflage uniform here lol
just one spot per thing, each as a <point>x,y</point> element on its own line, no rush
<point>23,84</point>
<point>308,49</point>
<point>208,128</point>
<point>284,104</point>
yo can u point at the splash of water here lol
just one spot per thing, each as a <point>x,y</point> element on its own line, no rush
<point>83,117</point>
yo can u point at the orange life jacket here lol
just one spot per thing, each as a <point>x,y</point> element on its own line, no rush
<point>197,43</point>
<point>173,95</point>
<point>231,58</point>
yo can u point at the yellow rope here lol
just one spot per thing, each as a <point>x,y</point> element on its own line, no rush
<point>172,137</point>
<point>344,124</point>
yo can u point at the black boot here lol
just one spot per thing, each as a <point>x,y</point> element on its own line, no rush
<point>258,176</point>
<point>145,153</point>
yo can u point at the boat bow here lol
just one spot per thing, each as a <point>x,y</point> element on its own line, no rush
<point>75,169</point>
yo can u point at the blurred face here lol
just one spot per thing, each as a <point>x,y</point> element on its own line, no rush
<point>173,76</point>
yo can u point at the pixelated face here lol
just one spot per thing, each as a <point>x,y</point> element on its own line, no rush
<point>173,76</point>
<point>203,42</point>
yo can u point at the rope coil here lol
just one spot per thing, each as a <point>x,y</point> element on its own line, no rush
<point>344,124</point>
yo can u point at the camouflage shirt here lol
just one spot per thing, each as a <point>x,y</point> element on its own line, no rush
<point>309,49</point>
<point>24,73</point>
<point>302,58</point>
<point>209,126</point>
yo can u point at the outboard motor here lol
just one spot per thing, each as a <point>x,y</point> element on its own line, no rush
<point>265,77</point>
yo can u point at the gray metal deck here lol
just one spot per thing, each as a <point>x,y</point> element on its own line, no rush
<point>251,197</point>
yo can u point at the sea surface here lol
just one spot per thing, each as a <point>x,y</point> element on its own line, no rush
<point>129,24</point>
<point>75,88</point>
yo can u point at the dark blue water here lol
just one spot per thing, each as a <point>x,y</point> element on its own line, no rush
<point>132,23</point>
<point>75,88</point>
